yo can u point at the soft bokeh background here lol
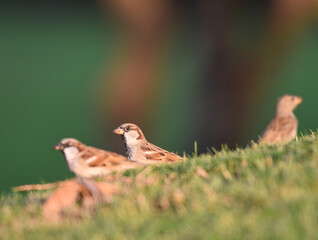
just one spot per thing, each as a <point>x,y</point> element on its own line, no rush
<point>203,70</point>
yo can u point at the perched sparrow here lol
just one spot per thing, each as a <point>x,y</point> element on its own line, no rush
<point>139,149</point>
<point>284,126</point>
<point>89,162</point>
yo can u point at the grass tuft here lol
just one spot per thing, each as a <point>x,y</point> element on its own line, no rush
<point>260,192</point>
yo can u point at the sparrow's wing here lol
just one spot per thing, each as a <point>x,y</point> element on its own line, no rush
<point>99,158</point>
<point>280,128</point>
<point>153,152</point>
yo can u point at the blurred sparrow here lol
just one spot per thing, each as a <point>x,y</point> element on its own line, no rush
<point>283,127</point>
<point>139,149</point>
<point>90,162</point>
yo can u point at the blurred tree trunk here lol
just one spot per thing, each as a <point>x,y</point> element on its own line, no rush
<point>232,82</point>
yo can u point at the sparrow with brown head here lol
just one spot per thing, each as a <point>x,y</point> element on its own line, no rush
<point>138,149</point>
<point>89,162</point>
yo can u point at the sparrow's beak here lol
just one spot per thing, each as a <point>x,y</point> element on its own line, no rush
<point>59,146</point>
<point>298,100</point>
<point>119,131</point>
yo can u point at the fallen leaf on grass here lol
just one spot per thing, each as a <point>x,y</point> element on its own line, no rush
<point>74,195</point>
<point>200,172</point>
<point>63,198</point>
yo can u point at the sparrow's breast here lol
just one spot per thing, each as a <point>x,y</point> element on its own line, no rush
<point>74,160</point>
<point>135,154</point>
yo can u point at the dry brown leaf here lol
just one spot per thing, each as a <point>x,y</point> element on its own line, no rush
<point>107,190</point>
<point>69,193</point>
<point>162,203</point>
<point>146,181</point>
<point>178,196</point>
<point>200,172</point>
<point>63,198</point>
<point>32,187</point>
<point>172,176</point>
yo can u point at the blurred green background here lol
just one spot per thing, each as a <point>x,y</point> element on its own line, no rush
<point>52,59</point>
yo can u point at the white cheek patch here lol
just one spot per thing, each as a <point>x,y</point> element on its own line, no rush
<point>132,137</point>
<point>70,152</point>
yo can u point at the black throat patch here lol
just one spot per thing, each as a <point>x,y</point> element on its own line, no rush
<point>127,149</point>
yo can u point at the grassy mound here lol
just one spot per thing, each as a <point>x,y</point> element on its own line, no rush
<point>260,192</point>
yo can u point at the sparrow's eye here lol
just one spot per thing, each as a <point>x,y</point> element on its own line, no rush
<point>293,98</point>
<point>126,129</point>
<point>64,145</point>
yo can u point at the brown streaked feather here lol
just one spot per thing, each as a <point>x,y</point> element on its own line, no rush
<point>153,152</point>
<point>138,149</point>
<point>103,158</point>
<point>91,162</point>
<point>279,129</point>
<point>155,156</point>
<point>171,157</point>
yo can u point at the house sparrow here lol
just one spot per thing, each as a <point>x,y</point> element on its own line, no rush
<point>90,162</point>
<point>284,126</point>
<point>138,149</point>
